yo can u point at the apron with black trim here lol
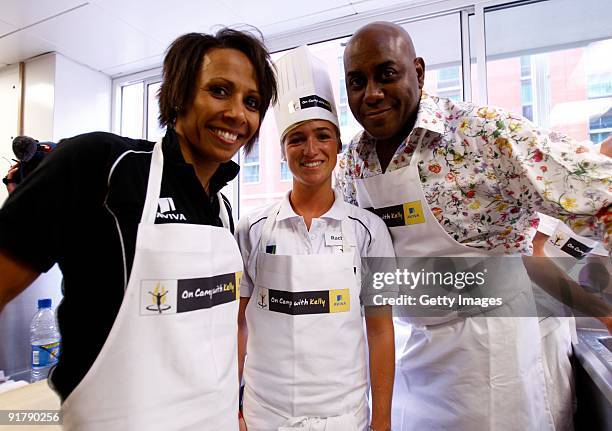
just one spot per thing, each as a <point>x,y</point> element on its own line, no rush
<point>306,366</point>
<point>170,359</point>
<point>473,373</point>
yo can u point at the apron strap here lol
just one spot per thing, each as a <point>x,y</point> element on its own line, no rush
<point>268,226</point>
<point>224,214</point>
<point>154,188</point>
<point>154,185</point>
<point>347,236</point>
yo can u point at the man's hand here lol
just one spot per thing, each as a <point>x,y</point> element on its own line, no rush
<point>608,322</point>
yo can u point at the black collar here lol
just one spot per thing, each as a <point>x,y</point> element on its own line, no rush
<point>172,152</point>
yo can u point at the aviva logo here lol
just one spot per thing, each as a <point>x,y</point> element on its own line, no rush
<point>339,300</point>
<point>166,208</point>
<point>413,213</point>
<point>166,205</point>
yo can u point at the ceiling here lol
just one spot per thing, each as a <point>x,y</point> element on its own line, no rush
<point>123,36</point>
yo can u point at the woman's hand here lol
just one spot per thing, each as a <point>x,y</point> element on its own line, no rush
<point>379,325</point>
<point>242,424</point>
<point>10,186</point>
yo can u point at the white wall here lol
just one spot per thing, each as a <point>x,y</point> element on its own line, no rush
<point>82,99</point>
<point>64,98</point>
<point>10,89</point>
<point>39,82</point>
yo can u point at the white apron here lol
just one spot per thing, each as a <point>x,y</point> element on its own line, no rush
<point>306,367</point>
<point>558,333</point>
<point>457,374</point>
<point>170,359</point>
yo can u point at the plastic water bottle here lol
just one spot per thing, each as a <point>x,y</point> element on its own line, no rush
<point>44,339</point>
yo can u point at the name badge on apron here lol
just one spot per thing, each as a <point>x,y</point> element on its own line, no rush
<point>304,302</point>
<point>332,239</point>
<point>180,296</point>
<point>401,215</point>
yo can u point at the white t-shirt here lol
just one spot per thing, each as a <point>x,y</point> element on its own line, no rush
<point>290,235</point>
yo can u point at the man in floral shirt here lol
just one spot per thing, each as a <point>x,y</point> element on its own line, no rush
<point>483,174</point>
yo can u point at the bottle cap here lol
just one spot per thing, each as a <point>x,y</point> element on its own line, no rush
<point>44,303</point>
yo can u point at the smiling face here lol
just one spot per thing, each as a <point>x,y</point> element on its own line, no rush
<point>311,151</point>
<point>384,81</point>
<point>224,113</point>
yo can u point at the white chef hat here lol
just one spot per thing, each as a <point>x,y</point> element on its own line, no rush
<point>304,90</point>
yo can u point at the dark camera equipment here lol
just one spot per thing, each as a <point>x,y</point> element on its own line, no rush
<point>29,153</point>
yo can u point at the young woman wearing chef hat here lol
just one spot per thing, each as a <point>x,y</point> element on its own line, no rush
<point>306,365</point>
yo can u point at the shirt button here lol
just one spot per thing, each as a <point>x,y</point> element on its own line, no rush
<point>312,236</point>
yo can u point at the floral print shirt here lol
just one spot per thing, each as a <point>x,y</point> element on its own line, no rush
<point>486,172</point>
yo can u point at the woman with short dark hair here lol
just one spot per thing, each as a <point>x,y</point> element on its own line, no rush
<point>184,60</point>
<point>144,240</point>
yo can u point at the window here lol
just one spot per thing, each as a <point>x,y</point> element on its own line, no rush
<point>132,108</point>
<point>343,116</point>
<point>599,90</point>
<point>250,165</point>
<point>448,82</point>
<point>600,127</point>
<point>526,88</point>
<point>285,173</point>
<point>134,99</point>
<point>348,124</point>
<point>525,67</point>
<point>343,99</point>
<point>542,62</point>
<point>154,130</point>
<point>599,86</point>
<point>449,77</point>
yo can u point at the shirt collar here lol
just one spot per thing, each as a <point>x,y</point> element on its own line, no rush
<point>429,115</point>
<point>172,152</point>
<point>336,212</point>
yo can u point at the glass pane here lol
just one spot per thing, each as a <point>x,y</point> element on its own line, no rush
<point>442,60</point>
<point>154,131</point>
<point>132,97</point>
<point>266,186</point>
<point>285,172</point>
<point>525,66</point>
<point>527,112</point>
<point>250,173</point>
<point>526,92</point>
<point>544,63</point>
<point>599,137</point>
<point>253,156</point>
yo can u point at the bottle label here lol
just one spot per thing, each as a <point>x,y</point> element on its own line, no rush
<point>44,355</point>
